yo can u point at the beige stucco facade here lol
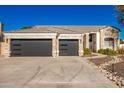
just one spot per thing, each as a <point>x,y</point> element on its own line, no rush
<point>97,42</point>
<point>109,33</point>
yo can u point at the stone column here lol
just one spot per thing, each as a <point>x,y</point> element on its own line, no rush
<point>97,41</point>
<point>87,40</point>
<point>57,47</point>
<point>7,45</point>
<point>101,40</point>
<point>81,46</point>
<point>94,42</point>
<point>54,47</point>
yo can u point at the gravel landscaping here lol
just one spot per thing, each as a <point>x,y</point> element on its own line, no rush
<point>118,67</point>
<point>113,70</point>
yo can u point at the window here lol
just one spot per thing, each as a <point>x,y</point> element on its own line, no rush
<point>109,43</point>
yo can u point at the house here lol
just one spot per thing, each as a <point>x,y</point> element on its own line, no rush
<point>57,40</point>
<point>121,43</point>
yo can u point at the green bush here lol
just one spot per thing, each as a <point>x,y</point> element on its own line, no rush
<point>120,51</point>
<point>107,52</point>
<point>101,51</point>
<point>87,51</point>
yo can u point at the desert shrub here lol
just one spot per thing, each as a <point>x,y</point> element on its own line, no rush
<point>120,51</point>
<point>107,52</point>
<point>101,51</point>
<point>87,51</point>
<point>110,52</point>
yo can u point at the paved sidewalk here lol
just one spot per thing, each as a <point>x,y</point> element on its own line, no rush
<point>51,72</point>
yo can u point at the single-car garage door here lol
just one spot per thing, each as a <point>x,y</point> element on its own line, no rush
<point>31,47</point>
<point>68,47</point>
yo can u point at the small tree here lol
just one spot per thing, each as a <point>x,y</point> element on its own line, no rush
<point>120,13</point>
<point>113,57</point>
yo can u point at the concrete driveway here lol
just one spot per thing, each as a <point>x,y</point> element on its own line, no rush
<point>50,72</point>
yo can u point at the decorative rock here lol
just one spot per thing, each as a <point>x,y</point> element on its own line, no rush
<point>119,83</point>
<point>104,71</point>
<point>117,78</point>
<point>110,76</point>
<point>107,74</point>
<point>120,78</point>
<point>122,82</point>
<point>115,73</point>
<point>99,67</point>
<point>114,79</point>
<point>106,64</point>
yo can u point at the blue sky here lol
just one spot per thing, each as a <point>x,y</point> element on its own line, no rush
<point>16,17</point>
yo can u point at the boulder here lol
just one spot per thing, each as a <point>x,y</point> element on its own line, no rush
<point>114,79</point>
<point>122,82</point>
<point>110,76</point>
<point>119,81</point>
<point>107,74</point>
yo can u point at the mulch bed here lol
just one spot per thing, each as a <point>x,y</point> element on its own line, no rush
<point>99,61</point>
<point>118,67</point>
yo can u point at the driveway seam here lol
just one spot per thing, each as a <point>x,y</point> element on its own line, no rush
<point>36,73</point>
<point>74,76</point>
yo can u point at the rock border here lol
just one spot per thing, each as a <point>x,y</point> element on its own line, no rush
<point>118,80</point>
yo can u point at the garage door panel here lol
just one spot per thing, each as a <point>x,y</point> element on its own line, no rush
<point>32,47</point>
<point>68,47</point>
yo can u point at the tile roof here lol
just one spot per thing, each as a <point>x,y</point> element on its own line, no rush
<point>60,29</point>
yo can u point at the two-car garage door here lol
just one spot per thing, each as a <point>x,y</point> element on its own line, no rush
<point>43,47</point>
<point>31,47</point>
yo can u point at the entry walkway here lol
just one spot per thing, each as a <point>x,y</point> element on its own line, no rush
<point>50,72</point>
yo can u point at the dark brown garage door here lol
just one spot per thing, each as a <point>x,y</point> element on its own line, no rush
<point>68,47</point>
<point>31,47</point>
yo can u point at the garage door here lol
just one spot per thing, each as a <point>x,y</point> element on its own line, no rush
<point>31,47</point>
<point>68,47</point>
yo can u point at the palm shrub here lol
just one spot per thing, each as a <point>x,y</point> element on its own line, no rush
<point>87,51</point>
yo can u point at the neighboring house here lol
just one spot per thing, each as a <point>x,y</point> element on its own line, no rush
<point>121,43</point>
<point>57,40</point>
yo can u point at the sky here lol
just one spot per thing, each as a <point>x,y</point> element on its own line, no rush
<point>15,17</point>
